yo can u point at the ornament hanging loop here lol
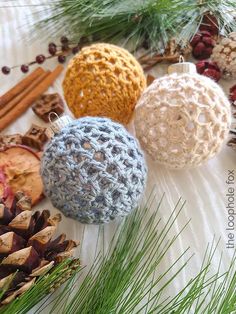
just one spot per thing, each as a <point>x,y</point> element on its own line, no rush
<point>58,123</point>
<point>181,59</point>
<point>51,115</point>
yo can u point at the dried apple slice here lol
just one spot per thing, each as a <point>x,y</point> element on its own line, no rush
<point>6,194</point>
<point>19,171</point>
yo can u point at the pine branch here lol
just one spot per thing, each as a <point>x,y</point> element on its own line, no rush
<point>129,279</point>
<point>134,22</point>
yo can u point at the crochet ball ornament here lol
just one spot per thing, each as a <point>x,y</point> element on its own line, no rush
<point>187,118</point>
<point>103,80</point>
<point>93,170</point>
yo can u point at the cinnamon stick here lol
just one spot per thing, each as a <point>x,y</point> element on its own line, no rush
<point>25,103</point>
<point>8,106</point>
<point>19,87</point>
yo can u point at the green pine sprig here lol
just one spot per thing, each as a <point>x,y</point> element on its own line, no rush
<point>134,283</point>
<point>133,22</point>
<point>132,276</point>
<point>129,278</point>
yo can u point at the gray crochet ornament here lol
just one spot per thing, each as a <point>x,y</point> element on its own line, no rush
<point>93,170</point>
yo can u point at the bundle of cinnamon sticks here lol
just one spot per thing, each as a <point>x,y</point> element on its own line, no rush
<point>19,98</point>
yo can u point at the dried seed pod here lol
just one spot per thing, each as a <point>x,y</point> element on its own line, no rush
<point>202,44</point>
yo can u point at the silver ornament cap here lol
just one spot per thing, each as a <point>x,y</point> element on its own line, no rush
<point>182,67</point>
<point>59,122</point>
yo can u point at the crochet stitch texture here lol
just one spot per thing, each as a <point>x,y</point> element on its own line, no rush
<point>182,120</point>
<point>93,170</point>
<point>103,80</point>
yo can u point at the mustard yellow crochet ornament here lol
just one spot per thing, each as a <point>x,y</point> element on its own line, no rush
<point>103,80</point>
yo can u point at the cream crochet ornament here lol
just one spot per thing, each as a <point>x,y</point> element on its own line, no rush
<point>182,119</point>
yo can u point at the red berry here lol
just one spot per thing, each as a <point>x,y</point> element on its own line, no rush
<point>61,59</point>
<point>40,59</point>
<point>75,50</point>
<point>24,68</point>
<point>64,40</point>
<point>52,50</point>
<point>52,45</point>
<point>6,70</point>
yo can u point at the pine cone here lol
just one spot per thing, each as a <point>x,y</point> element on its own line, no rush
<point>26,246</point>
<point>224,54</point>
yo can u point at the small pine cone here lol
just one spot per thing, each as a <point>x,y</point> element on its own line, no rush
<point>232,95</point>
<point>202,44</point>
<point>224,54</point>
<point>27,246</point>
<point>209,69</point>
